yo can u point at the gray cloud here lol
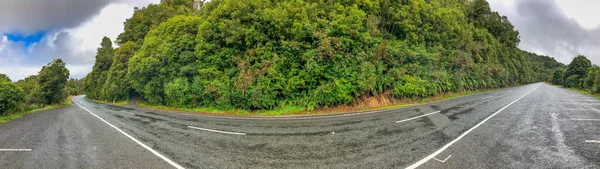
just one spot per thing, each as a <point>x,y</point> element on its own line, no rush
<point>28,16</point>
<point>546,29</point>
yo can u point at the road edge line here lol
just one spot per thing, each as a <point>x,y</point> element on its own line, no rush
<point>132,138</point>
<point>424,160</point>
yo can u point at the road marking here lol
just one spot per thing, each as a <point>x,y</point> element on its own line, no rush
<point>487,97</point>
<point>217,131</point>
<point>585,119</point>
<point>135,140</point>
<point>443,161</point>
<point>128,113</point>
<point>592,141</point>
<point>422,161</point>
<point>417,117</point>
<point>15,149</point>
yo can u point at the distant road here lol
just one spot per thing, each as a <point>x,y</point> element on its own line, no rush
<point>532,126</point>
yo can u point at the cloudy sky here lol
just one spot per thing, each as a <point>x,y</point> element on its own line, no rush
<point>33,32</point>
<point>558,28</point>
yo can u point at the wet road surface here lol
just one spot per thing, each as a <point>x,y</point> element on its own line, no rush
<point>530,126</point>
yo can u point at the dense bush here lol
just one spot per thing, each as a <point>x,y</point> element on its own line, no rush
<point>11,96</point>
<point>49,87</point>
<point>263,54</point>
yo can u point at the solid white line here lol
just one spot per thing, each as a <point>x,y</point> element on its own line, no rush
<point>443,161</point>
<point>424,160</point>
<point>15,149</point>
<point>135,140</point>
<point>592,141</point>
<point>417,117</point>
<point>217,131</point>
<point>487,97</point>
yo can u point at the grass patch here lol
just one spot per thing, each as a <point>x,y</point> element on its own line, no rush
<point>4,119</point>
<point>291,110</point>
<point>194,110</point>
<point>585,92</point>
<point>282,111</point>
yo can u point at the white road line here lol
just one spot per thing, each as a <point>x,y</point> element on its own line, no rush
<point>443,161</point>
<point>417,117</point>
<point>217,131</point>
<point>135,140</point>
<point>424,160</point>
<point>585,119</point>
<point>15,149</point>
<point>128,113</point>
<point>487,97</point>
<point>592,141</point>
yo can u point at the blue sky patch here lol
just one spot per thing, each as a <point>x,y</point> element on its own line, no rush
<point>28,40</point>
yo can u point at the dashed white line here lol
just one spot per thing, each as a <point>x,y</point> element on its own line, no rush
<point>487,97</point>
<point>15,149</point>
<point>592,141</point>
<point>585,119</point>
<point>217,131</point>
<point>417,117</point>
<point>424,160</point>
<point>128,113</point>
<point>135,140</point>
<point>443,161</point>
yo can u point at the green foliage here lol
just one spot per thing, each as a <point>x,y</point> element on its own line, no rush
<point>96,79</point>
<point>117,84</point>
<point>48,89</point>
<point>167,53</point>
<point>138,26</point>
<point>11,96</point>
<point>52,80</point>
<point>579,67</point>
<point>573,81</point>
<point>4,78</point>
<point>591,80</point>
<point>262,54</point>
<point>558,77</point>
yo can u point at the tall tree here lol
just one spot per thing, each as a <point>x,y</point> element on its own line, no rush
<point>579,68</point>
<point>96,79</point>
<point>52,79</point>
<point>558,77</point>
<point>117,84</point>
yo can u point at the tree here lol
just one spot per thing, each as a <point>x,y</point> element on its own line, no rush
<point>167,53</point>
<point>263,54</point>
<point>96,79</point>
<point>117,84</point>
<point>31,87</point>
<point>590,80</point>
<point>52,79</point>
<point>11,96</point>
<point>577,70</point>
<point>143,20</point>
<point>4,78</point>
<point>557,77</point>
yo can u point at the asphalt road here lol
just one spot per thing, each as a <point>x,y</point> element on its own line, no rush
<point>532,126</point>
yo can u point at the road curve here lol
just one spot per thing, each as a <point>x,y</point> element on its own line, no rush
<point>529,126</point>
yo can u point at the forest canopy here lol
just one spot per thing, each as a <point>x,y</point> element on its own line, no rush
<point>264,54</point>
